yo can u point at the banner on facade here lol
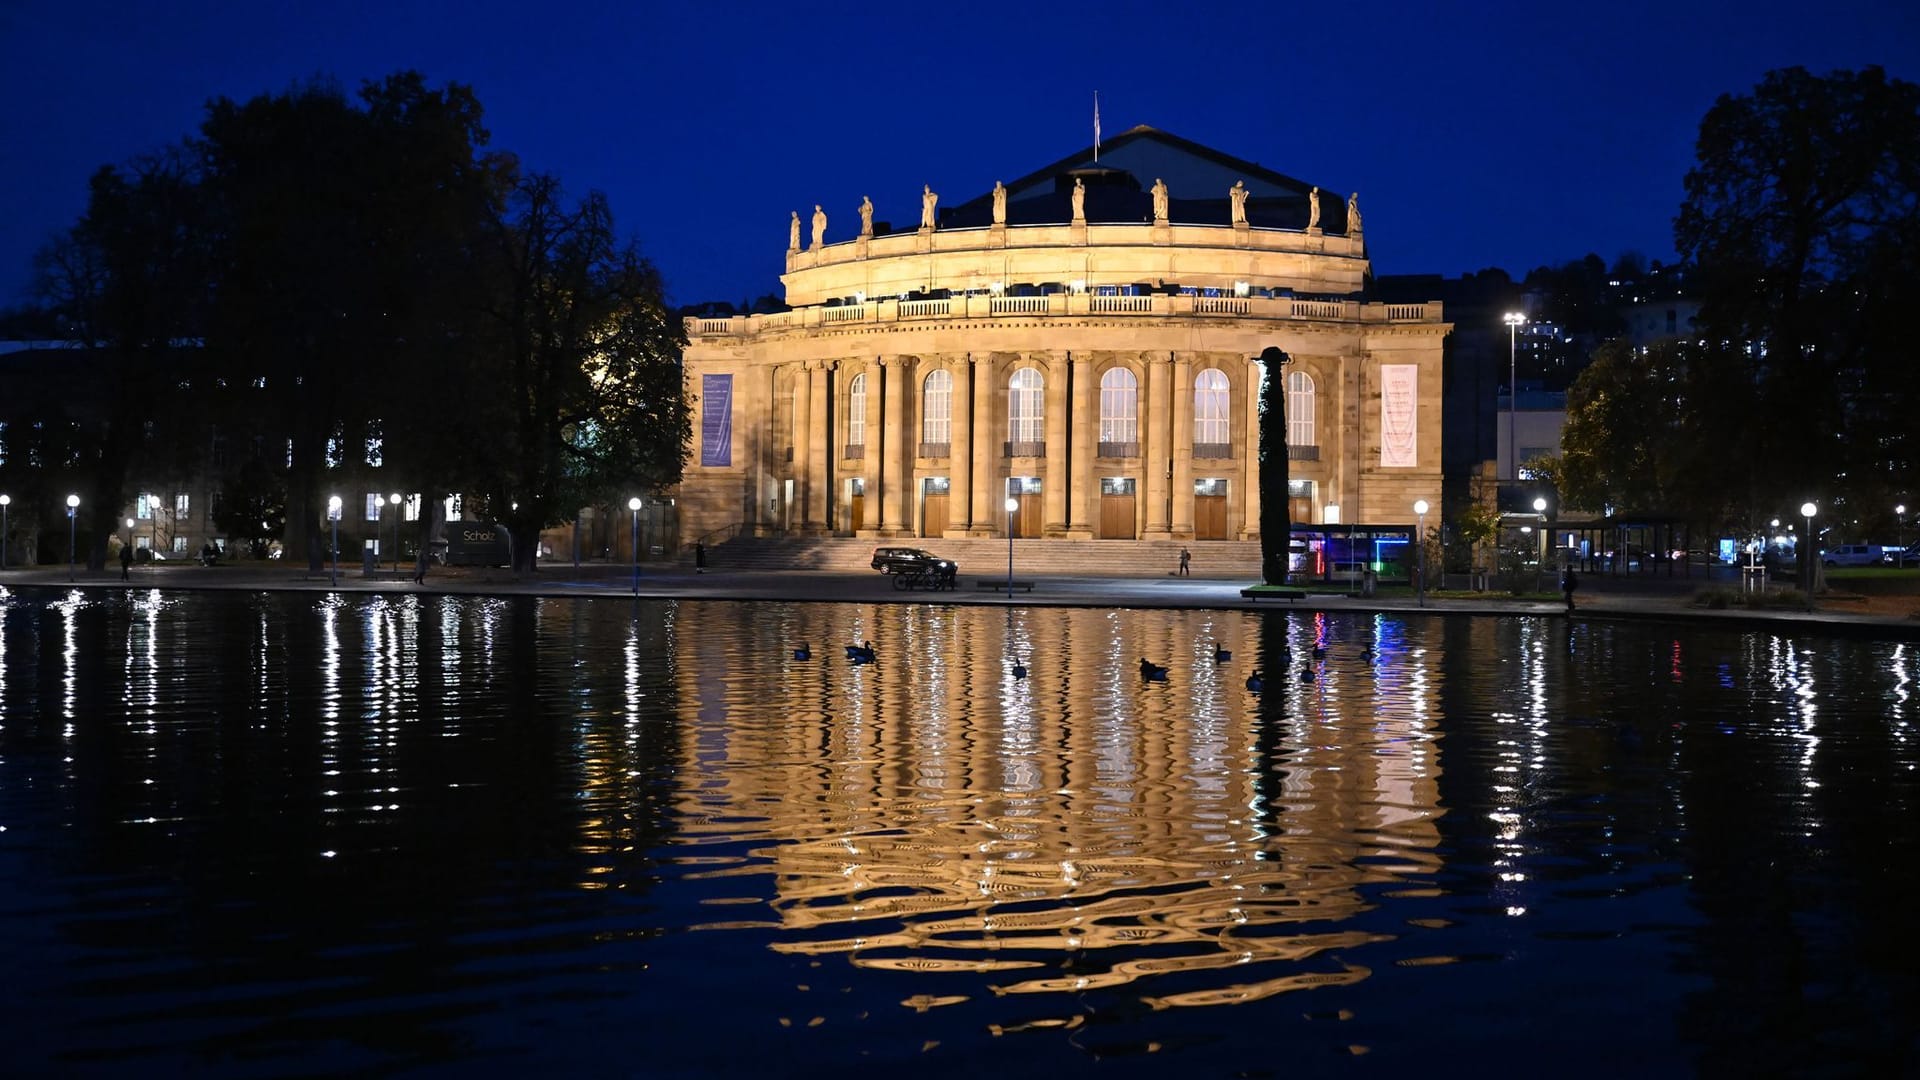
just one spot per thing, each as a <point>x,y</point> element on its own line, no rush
<point>1399,408</point>
<point>716,420</point>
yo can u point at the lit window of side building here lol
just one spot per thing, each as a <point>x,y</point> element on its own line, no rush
<point>1083,340</point>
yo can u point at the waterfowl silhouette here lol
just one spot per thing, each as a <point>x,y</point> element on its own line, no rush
<point>1152,672</point>
<point>804,652</point>
<point>1220,655</point>
<point>1306,674</point>
<point>1019,669</point>
<point>1319,652</point>
<point>861,653</point>
<point>1255,683</point>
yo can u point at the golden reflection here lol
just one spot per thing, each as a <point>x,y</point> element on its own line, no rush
<point>929,812</point>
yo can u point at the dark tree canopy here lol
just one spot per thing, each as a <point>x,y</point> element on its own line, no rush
<point>1276,509</point>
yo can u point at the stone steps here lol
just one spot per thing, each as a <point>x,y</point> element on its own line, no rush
<point>1231,559</point>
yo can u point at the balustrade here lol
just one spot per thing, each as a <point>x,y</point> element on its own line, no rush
<point>886,311</point>
<point>1216,451</point>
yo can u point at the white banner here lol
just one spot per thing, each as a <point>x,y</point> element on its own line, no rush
<point>1399,410</point>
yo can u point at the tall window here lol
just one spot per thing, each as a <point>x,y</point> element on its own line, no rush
<point>1026,398</point>
<point>1211,424</point>
<point>857,411</point>
<point>936,408</point>
<point>1300,409</point>
<point>1119,406</point>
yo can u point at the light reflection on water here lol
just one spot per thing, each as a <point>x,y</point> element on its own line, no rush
<point>308,831</point>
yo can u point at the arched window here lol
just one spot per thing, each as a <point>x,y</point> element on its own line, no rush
<point>857,411</point>
<point>1300,409</point>
<point>1212,426</point>
<point>1026,402</point>
<point>936,408</point>
<point>1119,413</point>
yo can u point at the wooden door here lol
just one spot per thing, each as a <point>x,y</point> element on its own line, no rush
<point>855,519</point>
<point>1116,517</point>
<point>933,514</point>
<point>1209,517</point>
<point>1029,520</point>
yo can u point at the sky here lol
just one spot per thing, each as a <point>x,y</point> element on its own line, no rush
<point>1477,134</point>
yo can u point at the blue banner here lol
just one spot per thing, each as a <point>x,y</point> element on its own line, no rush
<point>716,420</point>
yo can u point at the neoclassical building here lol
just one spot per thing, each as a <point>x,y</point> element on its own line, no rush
<point>1085,341</point>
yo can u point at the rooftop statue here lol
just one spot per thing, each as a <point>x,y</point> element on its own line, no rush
<point>927,201</point>
<point>1353,214</point>
<point>1313,209</point>
<point>999,203</point>
<point>866,216</point>
<point>1079,200</point>
<point>1238,193</point>
<point>793,233</point>
<point>819,226</point>
<point>1159,199</point>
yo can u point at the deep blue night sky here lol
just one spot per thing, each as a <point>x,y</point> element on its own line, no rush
<point>1490,134</point>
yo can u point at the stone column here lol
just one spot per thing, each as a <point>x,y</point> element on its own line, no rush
<point>1182,450</point>
<point>1159,460</point>
<point>1054,494</point>
<point>960,452</point>
<point>875,445</point>
<point>1085,421</point>
<point>987,392</point>
<point>1248,497</point>
<point>799,442</point>
<point>896,448</point>
<point>818,448</point>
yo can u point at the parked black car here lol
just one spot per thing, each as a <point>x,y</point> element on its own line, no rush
<point>899,560</point>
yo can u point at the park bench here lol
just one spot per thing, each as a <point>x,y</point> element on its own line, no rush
<point>1273,592</point>
<point>1003,583</point>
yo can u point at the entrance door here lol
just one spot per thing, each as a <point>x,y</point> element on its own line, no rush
<point>1116,509</point>
<point>1028,521</point>
<point>933,514</point>
<point>856,501</point>
<point>1209,517</point>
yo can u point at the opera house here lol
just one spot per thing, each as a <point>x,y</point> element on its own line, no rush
<point>1084,341</point>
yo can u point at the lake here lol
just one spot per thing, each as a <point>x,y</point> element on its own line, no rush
<point>310,834</point>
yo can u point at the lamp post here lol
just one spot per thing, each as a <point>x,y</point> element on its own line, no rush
<point>1013,505</point>
<point>1513,320</point>
<point>73,507</point>
<point>129,537</point>
<point>333,517</point>
<point>5,501</point>
<point>1807,510</point>
<point>1899,535</point>
<point>395,500</point>
<point>1540,507</point>
<point>1420,508</point>
<point>633,504</point>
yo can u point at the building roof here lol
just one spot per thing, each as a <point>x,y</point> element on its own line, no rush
<point>1118,188</point>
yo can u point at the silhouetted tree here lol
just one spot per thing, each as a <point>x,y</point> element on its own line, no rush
<point>1276,510</point>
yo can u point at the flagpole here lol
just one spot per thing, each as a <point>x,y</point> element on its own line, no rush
<point>1096,127</point>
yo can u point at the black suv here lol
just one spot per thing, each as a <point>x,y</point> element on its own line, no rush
<point>901,560</point>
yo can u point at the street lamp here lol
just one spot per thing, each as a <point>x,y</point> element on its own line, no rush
<point>1013,505</point>
<point>1899,535</point>
<point>73,506</point>
<point>1513,319</point>
<point>1420,508</point>
<point>633,504</point>
<point>1540,507</point>
<point>129,538</point>
<point>395,500</point>
<point>333,515</point>
<point>1807,510</point>
<point>5,501</point>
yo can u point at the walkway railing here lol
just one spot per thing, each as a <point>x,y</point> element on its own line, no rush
<point>1066,304</point>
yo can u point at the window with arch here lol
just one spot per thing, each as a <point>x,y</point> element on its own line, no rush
<point>857,411</point>
<point>1212,425</point>
<point>1299,409</point>
<point>1119,413</point>
<point>936,408</point>
<point>1026,402</point>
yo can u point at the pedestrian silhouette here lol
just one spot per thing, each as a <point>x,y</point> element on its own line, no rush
<point>126,562</point>
<point>1186,562</point>
<point>1569,581</point>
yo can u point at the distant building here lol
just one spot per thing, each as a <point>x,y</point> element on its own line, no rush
<point>1082,342</point>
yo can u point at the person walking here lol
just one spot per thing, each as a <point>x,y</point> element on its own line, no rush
<point>1186,562</point>
<point>1569,581</point>
<point>126,562</point>
<point>699,558</point>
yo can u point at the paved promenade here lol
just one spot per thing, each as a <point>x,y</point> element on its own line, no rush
<point>1598,598</point>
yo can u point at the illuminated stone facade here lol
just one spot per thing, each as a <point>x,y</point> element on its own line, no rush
<point>1084,341</point>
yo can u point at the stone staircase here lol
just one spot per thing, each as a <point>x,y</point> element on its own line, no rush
<point>1233,559</point>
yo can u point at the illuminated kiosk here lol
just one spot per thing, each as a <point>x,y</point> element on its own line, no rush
<point>1084,340</point>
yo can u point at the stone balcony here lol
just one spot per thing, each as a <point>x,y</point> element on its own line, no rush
<point>882,312</point>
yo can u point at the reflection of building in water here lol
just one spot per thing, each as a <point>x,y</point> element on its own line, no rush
<point>930,812</point>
